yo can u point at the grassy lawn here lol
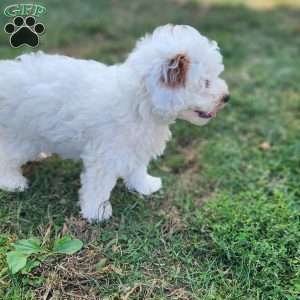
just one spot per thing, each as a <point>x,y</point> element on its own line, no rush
<point>227,223</point>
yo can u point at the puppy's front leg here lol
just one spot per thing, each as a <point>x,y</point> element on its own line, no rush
<point>140,181</point>
<point>96,185</point>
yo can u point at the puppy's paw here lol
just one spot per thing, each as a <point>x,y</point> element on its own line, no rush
<point>15,183</point>
<point>147,186</point>
<point>102,213</point>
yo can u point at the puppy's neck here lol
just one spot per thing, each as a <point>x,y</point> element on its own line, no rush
<point>141,103</point>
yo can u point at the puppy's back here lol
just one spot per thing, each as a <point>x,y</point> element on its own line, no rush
<point>36,87</point>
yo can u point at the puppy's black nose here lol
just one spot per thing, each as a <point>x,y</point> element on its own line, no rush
<point>226,98</point>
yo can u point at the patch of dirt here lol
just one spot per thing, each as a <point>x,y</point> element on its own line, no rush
<point>173,220</point>
<point>80,229</point>
<point>73,277</point>
<point>188,182</point>
<point>179,293</point>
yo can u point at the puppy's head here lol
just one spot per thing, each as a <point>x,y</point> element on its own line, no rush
<point>180,71</point>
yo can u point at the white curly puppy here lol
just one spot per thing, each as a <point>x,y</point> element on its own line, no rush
<point>115,118</point>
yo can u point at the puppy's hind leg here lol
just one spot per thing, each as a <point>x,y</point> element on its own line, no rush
<point>97,181</point>
<point>13,154</point>
<point>139,180</point>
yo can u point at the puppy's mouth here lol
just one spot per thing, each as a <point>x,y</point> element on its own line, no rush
<point>205,114</point>
<point>208,114</point>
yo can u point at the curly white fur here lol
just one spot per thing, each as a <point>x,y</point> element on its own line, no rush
<point>115,118</point>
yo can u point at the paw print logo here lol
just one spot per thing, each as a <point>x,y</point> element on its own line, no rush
<point>24,31</point>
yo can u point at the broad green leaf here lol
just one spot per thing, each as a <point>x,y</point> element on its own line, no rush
<point>16,261</point>
<point>28,246</point>
<point>67,245</point>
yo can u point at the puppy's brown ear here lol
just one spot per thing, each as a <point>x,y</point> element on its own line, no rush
<point>174,73</point>
<point>166,82</point>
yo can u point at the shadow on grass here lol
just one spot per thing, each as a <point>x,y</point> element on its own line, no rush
<point>52,198</point>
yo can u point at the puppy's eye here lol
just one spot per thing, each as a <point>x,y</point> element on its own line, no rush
<point>207,84</point>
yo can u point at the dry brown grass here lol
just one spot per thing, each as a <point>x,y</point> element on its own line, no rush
<point>71,277</point>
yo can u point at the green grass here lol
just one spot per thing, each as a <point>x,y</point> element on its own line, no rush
<point>227,223</point>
